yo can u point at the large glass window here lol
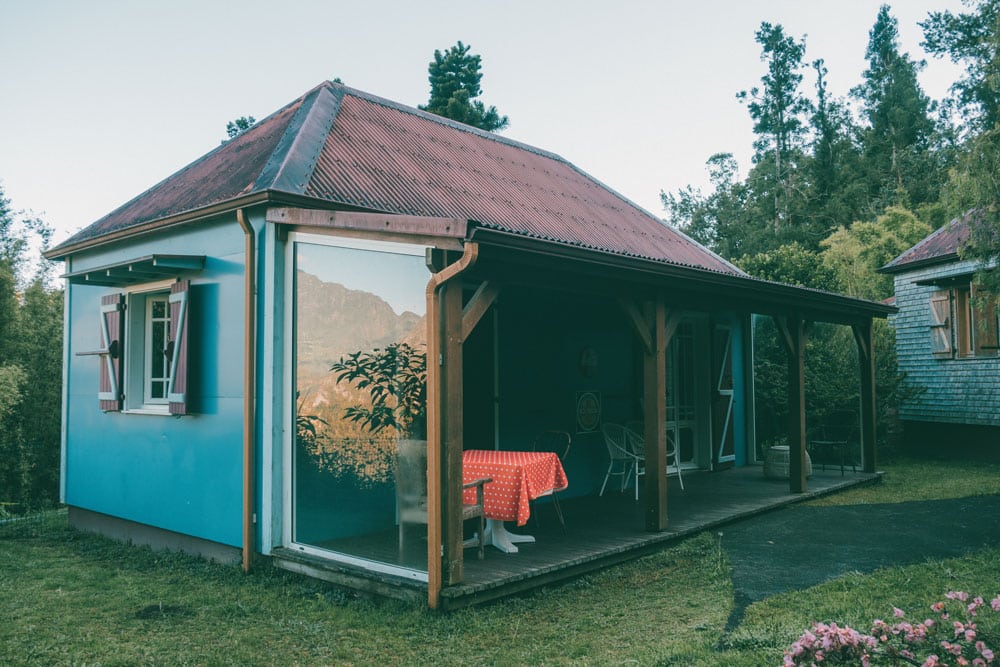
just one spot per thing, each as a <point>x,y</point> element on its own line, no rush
<point>359,366</point>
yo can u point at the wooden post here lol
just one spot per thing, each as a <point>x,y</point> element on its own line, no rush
<point>655,418</point>
<point>866,364</point>
<point>450,361</point>
<point>793,333</point>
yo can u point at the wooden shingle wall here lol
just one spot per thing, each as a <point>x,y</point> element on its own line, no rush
<point>958,391</point>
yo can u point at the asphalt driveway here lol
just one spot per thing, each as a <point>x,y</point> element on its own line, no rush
<point>801,546</point>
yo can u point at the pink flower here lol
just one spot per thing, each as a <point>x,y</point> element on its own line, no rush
<point>931,661</point>
<point>898,613</point>
<point>957,595</point>
<point>995,603</point>
<point>939,606</point>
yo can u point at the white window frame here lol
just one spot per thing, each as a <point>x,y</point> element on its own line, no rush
<point>138,354</point>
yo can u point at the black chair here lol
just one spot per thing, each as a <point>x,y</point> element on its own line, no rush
<point>832,442</point>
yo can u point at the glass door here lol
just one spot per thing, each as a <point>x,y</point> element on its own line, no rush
<point>682,404</point>
<point>357,348</point>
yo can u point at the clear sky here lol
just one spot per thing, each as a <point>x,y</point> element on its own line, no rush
<point>103,99</point>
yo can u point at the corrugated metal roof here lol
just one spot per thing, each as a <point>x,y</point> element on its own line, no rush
<point>941,245</point>
<point>346,147</point>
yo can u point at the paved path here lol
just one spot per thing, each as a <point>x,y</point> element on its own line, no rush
<point>802,546</point>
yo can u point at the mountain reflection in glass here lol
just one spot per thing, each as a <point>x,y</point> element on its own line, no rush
<point>360,383</point>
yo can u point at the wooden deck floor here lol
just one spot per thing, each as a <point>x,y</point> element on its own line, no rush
<point>602,531</point>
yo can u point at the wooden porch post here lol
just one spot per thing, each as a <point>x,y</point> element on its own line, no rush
<point>866,364</point>
<point>654,327</point>
<point>655,420</point>
<point>793,334</point>
<point>450,362</point>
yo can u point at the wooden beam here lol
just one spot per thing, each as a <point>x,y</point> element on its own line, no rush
<point>451,431</point>
<point>641,325</point>
<point>478,306</point>
<point>386,223</point>
<point>655,419</point>
<point>866,365</point>
<point>794,329</point>
<point>782,324</point>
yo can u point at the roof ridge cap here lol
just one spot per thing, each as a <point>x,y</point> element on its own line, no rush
<point>294,159</point>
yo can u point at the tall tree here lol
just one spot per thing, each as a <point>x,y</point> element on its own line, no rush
<point>834,189</point>
<point>778,110</point>
<point>899,133</point>
<point>455,77</point>
<point>972,39</point>
<point>30,364</point>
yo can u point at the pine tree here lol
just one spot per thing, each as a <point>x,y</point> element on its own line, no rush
<point>900,129</point>
<point>778,109</point>
<point>972,39</point>
<point>454,78</point>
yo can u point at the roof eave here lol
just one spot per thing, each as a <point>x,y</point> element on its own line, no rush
<point>890,269</point>
<point>266,197</point>
<point>766,297</point>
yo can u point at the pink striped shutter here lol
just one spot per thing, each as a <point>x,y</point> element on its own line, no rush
<point>110,395</point>
<point>178,347</point>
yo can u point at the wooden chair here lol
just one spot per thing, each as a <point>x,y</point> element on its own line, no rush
<point>411,492</point>
<point>557,442</point>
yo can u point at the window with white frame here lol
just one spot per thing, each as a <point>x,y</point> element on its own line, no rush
<point>145,349</point>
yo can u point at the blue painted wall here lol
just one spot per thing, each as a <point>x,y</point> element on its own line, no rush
<point>180,473</point>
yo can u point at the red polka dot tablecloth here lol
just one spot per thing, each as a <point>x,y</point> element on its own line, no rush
<point>517,478</point>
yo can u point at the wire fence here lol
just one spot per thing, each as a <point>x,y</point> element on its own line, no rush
<point>35,523</point>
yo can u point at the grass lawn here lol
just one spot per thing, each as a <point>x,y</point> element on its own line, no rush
<point>70,598</point>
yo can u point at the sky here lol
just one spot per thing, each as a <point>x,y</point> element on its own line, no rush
<point>103,99</point>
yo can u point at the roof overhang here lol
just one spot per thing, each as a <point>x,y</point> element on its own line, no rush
<point>691,286</point>
<point>138,270</point>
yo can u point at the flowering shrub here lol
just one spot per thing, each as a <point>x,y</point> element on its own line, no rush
<point>954,638</point>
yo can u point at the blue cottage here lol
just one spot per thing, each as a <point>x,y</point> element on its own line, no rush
<point>252,344</point>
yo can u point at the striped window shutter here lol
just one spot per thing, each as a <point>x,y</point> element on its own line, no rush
<point>111,394</point>
<point>941,343</point>
<point>177,347</point>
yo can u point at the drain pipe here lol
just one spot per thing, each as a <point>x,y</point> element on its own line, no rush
<point>434,574</point>
<point>249,381</point>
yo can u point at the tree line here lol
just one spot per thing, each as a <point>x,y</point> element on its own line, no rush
<point>31,334</point>
<point>838,187</point>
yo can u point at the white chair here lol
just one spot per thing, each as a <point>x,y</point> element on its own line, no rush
<point>623,460</point>
<point>635,432</point>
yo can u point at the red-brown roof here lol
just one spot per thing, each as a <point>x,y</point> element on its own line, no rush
<point>343,147</point>
<point>940,246</point>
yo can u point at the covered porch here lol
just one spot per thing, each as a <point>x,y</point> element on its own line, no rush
<point>511,323</point>
<point>600,531</point>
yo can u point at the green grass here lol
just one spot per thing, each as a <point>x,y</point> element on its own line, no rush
<point>74,599</point>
